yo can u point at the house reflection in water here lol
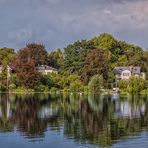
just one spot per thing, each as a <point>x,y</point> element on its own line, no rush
<point>46,112</point>
<point>125,109</point>
<point>115,96</point>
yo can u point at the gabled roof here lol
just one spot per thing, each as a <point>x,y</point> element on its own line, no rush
<point>118,70</point>
<point>134,70</point>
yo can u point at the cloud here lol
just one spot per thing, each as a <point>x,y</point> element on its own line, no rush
<point>57,23</point>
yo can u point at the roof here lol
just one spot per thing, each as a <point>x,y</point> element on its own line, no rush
<point>46,67</point>
<point>8,66</point>
<point>133,69</point>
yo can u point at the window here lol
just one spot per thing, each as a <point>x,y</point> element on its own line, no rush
<point>125,74</point>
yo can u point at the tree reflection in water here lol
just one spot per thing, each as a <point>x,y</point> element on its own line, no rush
<point>96,119</point>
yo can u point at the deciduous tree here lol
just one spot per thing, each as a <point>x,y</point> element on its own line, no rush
<point>96,62</point>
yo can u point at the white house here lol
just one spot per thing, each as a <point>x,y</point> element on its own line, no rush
<point>125,109</point>
<point>124,73</point>
<point>45,69</point>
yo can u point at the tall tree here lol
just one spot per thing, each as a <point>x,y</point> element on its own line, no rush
<point>6,55</point>
<point>27,74</point>
<point>26,62</point>
<point>96,62</point>
<point>55,58</point>
<point>36,52</point>
<point>74,56</point>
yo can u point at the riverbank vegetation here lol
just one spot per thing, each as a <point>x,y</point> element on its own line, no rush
<point>82,66</point>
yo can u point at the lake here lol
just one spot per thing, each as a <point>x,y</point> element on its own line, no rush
<point>73,121</point>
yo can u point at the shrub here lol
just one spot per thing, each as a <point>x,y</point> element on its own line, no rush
<point>123,84</point>
<point>53,90</point>
<point>76,86</point>
<point>42,88</point>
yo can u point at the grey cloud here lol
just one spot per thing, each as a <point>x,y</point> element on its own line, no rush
<point>57,23</point>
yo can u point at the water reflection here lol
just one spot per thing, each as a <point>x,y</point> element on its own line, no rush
<point>94,119</point>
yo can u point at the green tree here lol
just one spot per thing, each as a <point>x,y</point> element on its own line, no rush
<point>96,83</point>
<point>74,56</point>
<point>55,59</point>
<point>6,55</point>
<point>136,84</point>
<point>35,51</point>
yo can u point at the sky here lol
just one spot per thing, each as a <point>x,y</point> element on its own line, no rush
<point>57,23</point>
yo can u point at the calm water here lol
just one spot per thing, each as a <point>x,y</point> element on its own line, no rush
<point>71,121</point>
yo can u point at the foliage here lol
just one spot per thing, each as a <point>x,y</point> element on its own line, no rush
<point>111,77</point>
<point>76,86</point>
<point>37,52</point>
<point>32,51</point>
<point>136,84</point>
<point>71,82</point>
<point>53,89</point>
<point>42,88</point>
<point>25,64</point>
<point>27,74</point>
<point>78,63</point>
<point>6,55</point>
<point>2,87</point>
<point>74,56</point>
<point>55,58</point>
<point>12,86</point>
<point>123,84</point>
<point>96,62</point>
<point>105,41</point>
<point>46,81</point>
<point>13,79</point>
<point>96,83</point>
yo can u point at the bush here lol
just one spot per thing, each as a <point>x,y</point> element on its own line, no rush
<point>53,90</point>
<point>42,88</point>
<point>123,84</point>
<point>23,90</point>
<point>76,86</point>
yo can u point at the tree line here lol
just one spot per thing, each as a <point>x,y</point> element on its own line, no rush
<point>77,64</point>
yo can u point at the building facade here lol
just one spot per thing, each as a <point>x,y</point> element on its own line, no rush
<point>45,69</point>
<point>124,73</point>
